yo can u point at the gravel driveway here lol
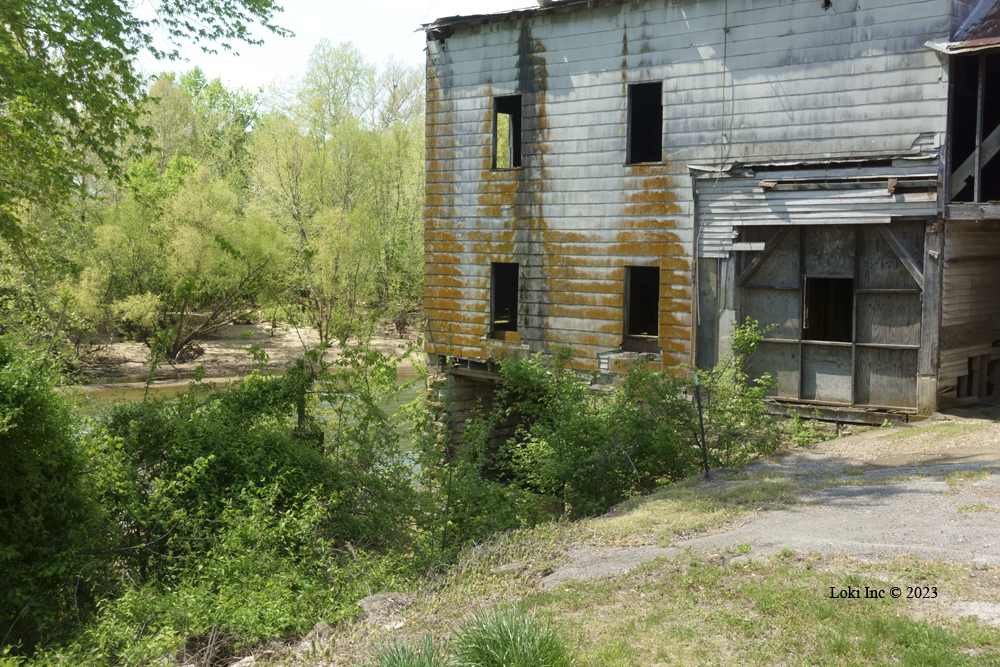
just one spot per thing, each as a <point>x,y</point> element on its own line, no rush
<point>888,492</point>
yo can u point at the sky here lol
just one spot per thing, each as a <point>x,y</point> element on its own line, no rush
<point>379,28</point>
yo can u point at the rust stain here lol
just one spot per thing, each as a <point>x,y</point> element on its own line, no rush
<point>566,274</point>
<point>650,196</point>
<point>660,208</point>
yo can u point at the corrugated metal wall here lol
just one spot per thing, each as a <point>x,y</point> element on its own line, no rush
<point>746,81</point>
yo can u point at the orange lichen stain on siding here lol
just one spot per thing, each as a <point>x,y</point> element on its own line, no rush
<point>673,332</point>
<point>648,183</point>
<point>676,345</point>
<point>649,236</point>
<point>435,281</point>
<point>665,208</point>
<point>440,142</point>
<point>647,223</point>
<point>441,188</point>
<point>673,317</point>
<point>441,234</point>
<point>668,291</point>
<point>444,246</point>
<point>596,340</point>
<point>652,169</point>
<point>584,298</point>
<point>466,317</point>
<point>649,196</point>
<point>437,258</point>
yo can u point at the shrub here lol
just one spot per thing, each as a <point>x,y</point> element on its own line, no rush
<point>508,637</point>
<point>48,518</point>
<point>738,424</point>
<point>590,448</point>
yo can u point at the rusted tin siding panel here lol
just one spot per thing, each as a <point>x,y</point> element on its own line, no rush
<point>787,80</point>
<point>810,197</point>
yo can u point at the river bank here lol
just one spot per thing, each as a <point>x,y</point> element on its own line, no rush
<point>226,354</point>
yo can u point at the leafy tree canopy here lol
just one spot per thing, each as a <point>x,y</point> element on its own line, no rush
<point>69,90</point>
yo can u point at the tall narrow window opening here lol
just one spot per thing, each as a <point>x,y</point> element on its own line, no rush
<point>507,132</point>
<point>503,316</point>
<point>974,128</point>
<point>828,309</point>
<point>645,123</point>
<point>642,306</point>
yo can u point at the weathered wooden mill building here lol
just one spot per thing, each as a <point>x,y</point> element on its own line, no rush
<point>633,177</point>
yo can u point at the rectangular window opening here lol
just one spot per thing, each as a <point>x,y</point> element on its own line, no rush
<point>828,309</point>
<point>645,123</point>
<point>642,309</point>
<point>503,316</point>
<point>507,132</point>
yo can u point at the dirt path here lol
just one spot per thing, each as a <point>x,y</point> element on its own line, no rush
<point>931,491</point>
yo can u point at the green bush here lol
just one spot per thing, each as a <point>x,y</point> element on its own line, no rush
<point>398,652</point>
<point>271,571</point>
<point>508,637</point>
<point>48,518</point>
<point>738,424</point>
<point>590,448</point>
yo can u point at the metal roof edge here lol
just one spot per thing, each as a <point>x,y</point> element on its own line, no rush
<point>549,7</point>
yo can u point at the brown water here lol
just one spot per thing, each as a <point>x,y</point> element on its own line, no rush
<point>100,396</point>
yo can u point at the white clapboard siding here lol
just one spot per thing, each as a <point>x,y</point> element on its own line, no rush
<point>744,81</point>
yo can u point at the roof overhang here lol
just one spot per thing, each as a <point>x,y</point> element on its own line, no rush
<point>442,27</point>
<point>979,32</point>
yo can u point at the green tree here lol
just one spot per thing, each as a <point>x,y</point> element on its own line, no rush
<point>70,93</point>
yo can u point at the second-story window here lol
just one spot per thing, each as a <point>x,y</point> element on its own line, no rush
<point>507,132</point>
<point>645,123</point>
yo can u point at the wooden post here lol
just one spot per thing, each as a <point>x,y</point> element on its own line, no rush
<point>928,357</point>
<point>979,128</point>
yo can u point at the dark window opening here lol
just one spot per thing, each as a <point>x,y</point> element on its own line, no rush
<point>975,78</point>
<point>645,123</point>
<point>828,309</point>
<point>642,308</point>
<point>504,293</point>
<point>507,132</point>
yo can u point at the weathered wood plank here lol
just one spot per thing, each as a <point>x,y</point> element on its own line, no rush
<point>889,319</point>
<point>778,274</point>
<point>902,253</point>
<point>886,377</point>
<point>826,373</point>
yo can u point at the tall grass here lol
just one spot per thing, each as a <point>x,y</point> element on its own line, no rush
<point>507,637</point>
<point>399,653</point>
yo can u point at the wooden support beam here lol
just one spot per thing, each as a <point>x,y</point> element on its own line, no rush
<point>902,253</point>
<point>987,152</point>
<point>764,254</point>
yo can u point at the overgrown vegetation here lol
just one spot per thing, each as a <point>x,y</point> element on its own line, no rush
<point>298,205</point>
<point>581,449</point>
<point>201,526</point>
